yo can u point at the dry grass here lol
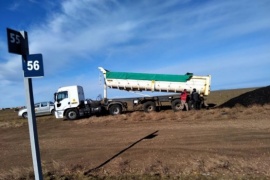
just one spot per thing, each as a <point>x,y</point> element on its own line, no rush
<point>221,96</point>
<point>218,114</point>
<point>205,167</point>
<point>9,118</point>
<point>254,111</point>
<point>18,173</point>
<point>195,167</point>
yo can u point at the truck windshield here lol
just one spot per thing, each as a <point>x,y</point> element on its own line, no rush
<point>61,95</point>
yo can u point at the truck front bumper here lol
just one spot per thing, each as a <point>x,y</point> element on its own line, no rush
<point>59,114</point>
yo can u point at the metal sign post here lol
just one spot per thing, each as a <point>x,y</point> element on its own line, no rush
<point>18,44</point>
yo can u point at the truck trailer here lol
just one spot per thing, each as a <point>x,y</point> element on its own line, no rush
<point>71,103</point>
<point>156,82</point>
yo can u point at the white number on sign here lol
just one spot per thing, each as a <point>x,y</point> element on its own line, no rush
<point>32,65</point>
<point>15,38</point>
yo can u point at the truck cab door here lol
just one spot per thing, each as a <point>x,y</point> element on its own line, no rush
<point>61,100</point>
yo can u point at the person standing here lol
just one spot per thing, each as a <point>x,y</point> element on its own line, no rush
<point>183,98</point>
<point>195,98</point>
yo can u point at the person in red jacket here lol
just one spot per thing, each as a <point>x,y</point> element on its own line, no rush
<point>183,98</point>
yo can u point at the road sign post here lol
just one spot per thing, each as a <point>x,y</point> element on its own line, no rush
<point>18,44</point>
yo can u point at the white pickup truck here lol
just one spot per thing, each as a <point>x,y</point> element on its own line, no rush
<point>41,108</point>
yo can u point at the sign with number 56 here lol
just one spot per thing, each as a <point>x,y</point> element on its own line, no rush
<point>33,66</point>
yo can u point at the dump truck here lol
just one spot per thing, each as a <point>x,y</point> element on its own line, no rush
<point>71,103</point>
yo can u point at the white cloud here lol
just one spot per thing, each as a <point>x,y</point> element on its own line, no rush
<point>146,36</point>
<point>14,6</point>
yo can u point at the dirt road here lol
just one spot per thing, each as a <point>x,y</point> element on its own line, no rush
<point>219,142</point>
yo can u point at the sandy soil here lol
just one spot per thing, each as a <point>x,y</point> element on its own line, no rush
<point>217,142</point>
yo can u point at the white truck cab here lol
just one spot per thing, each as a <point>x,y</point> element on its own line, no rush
<point>67,100</point>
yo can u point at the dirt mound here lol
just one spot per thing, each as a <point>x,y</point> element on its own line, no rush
<point>259,96</point>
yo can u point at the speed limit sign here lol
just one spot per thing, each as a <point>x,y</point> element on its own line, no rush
<point>33,66</point>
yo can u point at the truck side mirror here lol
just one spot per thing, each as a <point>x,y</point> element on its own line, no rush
<point>54,96</point>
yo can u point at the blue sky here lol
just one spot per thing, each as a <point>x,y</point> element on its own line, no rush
<point>229,40</point>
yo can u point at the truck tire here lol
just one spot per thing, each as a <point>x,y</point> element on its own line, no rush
<point>149,106</point>
<point>24,115</point>
<point>176,105</point>
<point>52,112</point>
<point>71,114</point>
<point>115,109</point>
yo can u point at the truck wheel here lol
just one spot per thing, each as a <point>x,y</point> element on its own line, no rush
<point>52,112</point>
<point>176,105</point>
<point>149,106</point>
<point>115,109</point>
<point>72,114</point>
<point>24,115</point>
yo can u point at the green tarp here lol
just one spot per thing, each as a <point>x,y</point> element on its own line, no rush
<point>151,77</point>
